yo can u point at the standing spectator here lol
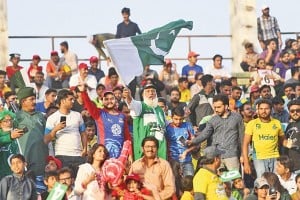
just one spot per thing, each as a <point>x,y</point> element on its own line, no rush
<point>66,127</point>
<point>249,59</point>
<point>13,72</point>
<point>84,78</point>
<point>3,87</point>
<point>201,103</point>
<point>177,132</point>
<point>34,67</point>
<point>190,70</point>
<point>127,28</point>
<point>89,182</point>
<point>69,58</point>
<point>246,112</point>
<point>154,171</point>
<point>292,134</point>
<point>148,120</point>
<point>169,76</point>
<point>50,97</point>
<point>98,100</point>
<point>39,87</point>
<point>54,73</point>
<point>94,70</point>
<point>225,88</point>
<point>187,188</point>
<point>225,130</point>
<point>185,93</point>
<point>90,130</point>
<point>268,28</point>
<point>17,185</point>
<point>207,184</point>
<point>31,143</point>
<point>284,170</point>
<point>197,86</point>
<point>217,70</point>
<point>112,125</point>
<point>66,177</point>
<point>174,99</point>
<point>8,143</point>
<point>266,135</point>
<point>278,111</point>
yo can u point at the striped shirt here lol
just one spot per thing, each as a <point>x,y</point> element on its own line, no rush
<point>267,28</point>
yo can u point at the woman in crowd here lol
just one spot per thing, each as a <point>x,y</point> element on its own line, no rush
<point>89,180</point>
<point>274,182</point>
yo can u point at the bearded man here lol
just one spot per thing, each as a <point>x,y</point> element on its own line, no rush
<point>148,120</point>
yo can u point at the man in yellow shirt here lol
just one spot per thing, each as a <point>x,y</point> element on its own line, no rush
<point>207,184</point>
<point>266,136</point>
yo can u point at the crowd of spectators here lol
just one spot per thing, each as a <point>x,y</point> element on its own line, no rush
<point>76,132</point>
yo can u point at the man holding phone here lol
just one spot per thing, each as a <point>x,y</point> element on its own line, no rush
<point>66,128</point>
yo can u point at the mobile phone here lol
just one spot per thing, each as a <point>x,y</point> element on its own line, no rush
<point>182,140</point>
<point>272,191</point>
<point>25,130</point>
<point>63,118</point>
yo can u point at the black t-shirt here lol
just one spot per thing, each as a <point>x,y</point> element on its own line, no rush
<point>293,132</point>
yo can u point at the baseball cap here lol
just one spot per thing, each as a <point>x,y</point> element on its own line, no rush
<point>36,57</point>
<point>193,54</point>
<point>14,55</point>
<point>94,59</point>
<point>168,62</point>
<point>133,176</point>
<point>54,53</point>
<point>260,182</point>
<point>149,86</point>
<point>264,7</point>
<point>56,160</point>
<point>82,66</point>
<point>254,88</point>
<point>211,152</point>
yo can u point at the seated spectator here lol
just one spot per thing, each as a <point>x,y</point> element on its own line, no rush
<point>260,191</point>
<point>274,182</point>
<point>94,70</point>
<point>50,179</point>
<point>98,100</point>
<point>3,87</point>
<point>112,80</point>
<point>50,97</point>
<point>185,93</point>
<point>34,67</point>
<point>271,54</point>
<point>191,69</point>
<point>17,185</point>
<point>187,188</point>
<point>90,130</point>
<point>249,59</point>
<point>217,70</point>
<point>284,171</point>
<point>53,164</point>
<point>283,65</point>
<point>54,74</point>
<point>169,76</point>
<point>66,177</point>
<point>278,111</point>
<point>295,195</point>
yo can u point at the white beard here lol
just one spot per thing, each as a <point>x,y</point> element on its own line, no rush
<point>151,102</point>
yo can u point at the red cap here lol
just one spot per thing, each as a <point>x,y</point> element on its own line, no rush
<point>54,53</point>
<point>254,88</point>
<point>36,57</point>
<point>56,160</point>
<point>133,176</point>
<point>168,62</point>
<point>94,59</point>
<point>82,66</point>
<point>193,54</point>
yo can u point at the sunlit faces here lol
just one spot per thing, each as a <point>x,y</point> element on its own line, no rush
<point>149,93</point>
<point>294,111</point>
<point>262,192</point>
<point>247,111</point>
<point>109,101</point>
<point>261,64</point>
<point>193,59</point>
<point>99,154</point>
<point>150,149</point>
<point>69,101</point>
<point>50,182</point>
<point>177,120</point>
<point>218,62</point>
<point>17,166</point>
<point>236,94</point>
<point>51,97</point>
<point>220,108</point>
<point>226,90</point>
<point>265,93</point>
<point>264,111</point>
<point>175,96</point>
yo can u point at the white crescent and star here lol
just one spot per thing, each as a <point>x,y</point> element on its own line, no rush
<point>157,50</point>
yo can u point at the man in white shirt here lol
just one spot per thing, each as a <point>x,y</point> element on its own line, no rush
<point>217,70</point>
<point>39,87</point>
<point>69,58</point>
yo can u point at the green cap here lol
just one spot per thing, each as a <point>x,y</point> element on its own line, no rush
<point>25,92</point>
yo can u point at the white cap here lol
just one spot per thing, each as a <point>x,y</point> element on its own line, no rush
<point>264,7</point>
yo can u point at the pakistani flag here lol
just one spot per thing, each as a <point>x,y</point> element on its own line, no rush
<point>131,54</point>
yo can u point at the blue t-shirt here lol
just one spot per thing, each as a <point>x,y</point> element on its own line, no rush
<point>191,71</point>
<point>40,107</point>
<point>173,135</point>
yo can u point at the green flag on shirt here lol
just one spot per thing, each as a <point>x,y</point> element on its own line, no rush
<point>58,192</point>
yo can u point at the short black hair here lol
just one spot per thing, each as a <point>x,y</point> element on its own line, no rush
<point>264,101</point>
<point>217,56</point>
<point>50,90</point>
<point>8,94</point>
<point>112,71</point>
<point>63,94</point>
<point>263,87</point>
<point>286,162</point>
<point>277,100</point>
<point>100,85</point>
<point>289,85</point>
<point>182,79</point>
<point>125,10</point>
<point>50,173</point>
<point>90,123</point>
<point>65,44</point>
<point>120,88</point>
<point>187,183</point>
<point>121,105</point>
<point>225,83</point>
<point>221,97</point>
<point>40,73</point>
<point>2,72</point>
<point>162,100</point>
<point>236,88</point>
<point>18,156</point>
<point>178,111</point>
<point>206,79</point>
<point>150,138</point>
<point>66,170</point>
<point>294,102</point>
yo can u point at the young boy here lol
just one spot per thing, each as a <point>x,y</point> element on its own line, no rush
<point>185,92</point>
<point>17,185</point>
<point>49,180</point>
<point>177,132</point>
<point>187,188</point>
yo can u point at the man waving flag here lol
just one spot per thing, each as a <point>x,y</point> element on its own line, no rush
<point>131,54</point>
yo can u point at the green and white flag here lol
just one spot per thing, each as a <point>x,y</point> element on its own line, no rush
<point>58,192</point>
<point>131,54</point>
